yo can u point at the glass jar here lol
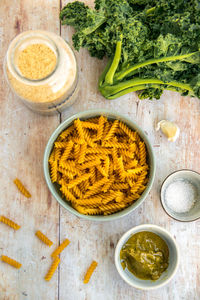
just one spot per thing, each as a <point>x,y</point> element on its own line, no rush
<point>52,92</point>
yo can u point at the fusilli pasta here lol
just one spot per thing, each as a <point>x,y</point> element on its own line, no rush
<point>89,272</point>
<point>60,248</point>
<point>100,165</point>
<point>44,238</point>
<point>22,188</point>
<point>52,269</point>
<point>9,222</point>
<point>11,261</point>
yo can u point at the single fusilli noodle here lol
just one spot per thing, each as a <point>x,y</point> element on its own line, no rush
<point>89,272</point>
<point>67,151</point>
<point>60,248</point>
<point>22,188</point>
<point>142,152</point>
<point>9,222</point>
<point>11,262</point>
<point>43,238</point>
<point>52,269</point>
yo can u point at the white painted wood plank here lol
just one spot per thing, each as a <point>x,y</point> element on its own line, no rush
<point>23,136</point>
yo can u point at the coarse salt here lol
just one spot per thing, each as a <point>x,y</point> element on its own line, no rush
<point>180,196</point>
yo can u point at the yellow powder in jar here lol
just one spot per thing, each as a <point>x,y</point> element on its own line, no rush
<point>36,61</point>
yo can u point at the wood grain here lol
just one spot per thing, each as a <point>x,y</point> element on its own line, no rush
<point>24,135</point>
<point>23,138</point>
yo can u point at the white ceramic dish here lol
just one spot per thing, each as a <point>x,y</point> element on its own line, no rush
<point>173,258</point>
<point>192,177</point>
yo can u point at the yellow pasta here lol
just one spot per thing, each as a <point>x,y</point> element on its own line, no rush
<point>52,269</point>
<point>82,153</point>
<point>66,173</point>
<point>131,198</point>
<point>120,168</point>
<point>66,132</point>
<point>101,127</point>
<point>60,248</point>
<point>89,272</point>
<point>79,128</point>
<point>115,144</point>
<point>102,170</point>
<point>67,151</point>
<point>93,175</point>
<point>90,163</point>
<point>87,210</point>
<point>22,188</point>
<point>60,144</point>
<point>78,180</point>
<point>128,131</point>
<point>100,165</point>
<point>92,192</point>
<point>98,183</point>
<point>108,184</point>
<point>142,153</point>
<point>44,238</point>
<point>68,195</point>
<point>120,186</point>
<point>90,125</point>
<point>139,183</point>
<point>77,191</point>
<point>112,130</point>
<point>57,153</point>
<point>11,261</point>
<point>9,222</point>
<point>111,208</point>
<point>89,201</point>
<point>87,138</point>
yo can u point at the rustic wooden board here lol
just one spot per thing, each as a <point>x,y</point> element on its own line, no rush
<point>23,138</point>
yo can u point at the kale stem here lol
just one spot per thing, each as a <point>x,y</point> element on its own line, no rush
<point>112,92</point>
<point>126,91</point>
<point>126,72</point>
<point>110,74</point>
<point>103,74</point>
<point>113,89</point>
<point>180,85</point>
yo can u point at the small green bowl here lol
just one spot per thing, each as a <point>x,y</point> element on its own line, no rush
<point>54,188</point>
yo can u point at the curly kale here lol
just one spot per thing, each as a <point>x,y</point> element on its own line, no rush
<point>151,45</point>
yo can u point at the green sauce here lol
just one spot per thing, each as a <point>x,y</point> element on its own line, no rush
<point>145,255</point>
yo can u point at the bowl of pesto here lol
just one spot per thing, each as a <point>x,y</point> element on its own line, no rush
<point>147,257</point>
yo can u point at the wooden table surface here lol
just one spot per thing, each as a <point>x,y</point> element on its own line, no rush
<point>23,137</point>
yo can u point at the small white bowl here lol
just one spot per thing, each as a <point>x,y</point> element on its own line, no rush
<point>191,176</point>
<point>173,258</point>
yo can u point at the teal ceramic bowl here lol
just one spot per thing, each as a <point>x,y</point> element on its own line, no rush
<point>54,189</point>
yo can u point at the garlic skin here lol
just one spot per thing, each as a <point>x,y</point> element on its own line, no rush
<point>169,129</point>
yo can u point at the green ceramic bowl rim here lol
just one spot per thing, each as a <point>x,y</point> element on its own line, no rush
<point>86,115</point>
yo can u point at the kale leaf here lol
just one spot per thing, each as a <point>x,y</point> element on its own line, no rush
<point>151,45</point>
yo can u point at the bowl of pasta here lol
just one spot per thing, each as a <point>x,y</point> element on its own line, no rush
<point>99,165</point>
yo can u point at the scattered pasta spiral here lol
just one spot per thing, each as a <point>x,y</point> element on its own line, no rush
<point>9,223</point>
<point>90,271</point>
<point>60,248</point>
<point>11,261</point>
<point>22,188</point>
<point>100,165</point>
<point>43,238</point>
<point>52,269</point>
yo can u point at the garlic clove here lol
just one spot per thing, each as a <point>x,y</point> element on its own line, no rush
<point>170,130</point>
